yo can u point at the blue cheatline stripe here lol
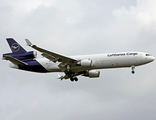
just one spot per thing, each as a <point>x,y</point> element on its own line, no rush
<point>33,66</point>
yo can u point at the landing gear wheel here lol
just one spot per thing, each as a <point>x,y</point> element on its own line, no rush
<point>76,79</point>
<point>72,79</point>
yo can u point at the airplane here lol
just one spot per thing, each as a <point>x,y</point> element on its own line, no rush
<point>73,66</point>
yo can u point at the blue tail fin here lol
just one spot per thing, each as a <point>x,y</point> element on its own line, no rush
<point>15,47</point>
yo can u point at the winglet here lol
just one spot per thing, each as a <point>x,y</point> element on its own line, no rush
<point>28,42</point>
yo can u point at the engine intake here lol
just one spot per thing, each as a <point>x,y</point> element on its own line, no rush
<point>92,74</point>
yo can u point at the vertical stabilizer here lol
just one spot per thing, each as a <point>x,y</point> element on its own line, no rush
<point>15,47</point>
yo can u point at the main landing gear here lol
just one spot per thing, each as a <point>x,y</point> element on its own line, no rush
<point>74,79</point>
<point>71,75</point>
<point>133,67</point>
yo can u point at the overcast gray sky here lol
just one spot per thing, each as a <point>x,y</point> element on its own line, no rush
<point>75,27</point>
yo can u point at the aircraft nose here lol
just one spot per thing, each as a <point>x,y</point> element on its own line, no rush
<point>152,58</point>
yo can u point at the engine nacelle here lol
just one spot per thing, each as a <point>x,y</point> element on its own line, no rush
<point>92,74</point>
<point>22,56</point>
<point>85,63</point>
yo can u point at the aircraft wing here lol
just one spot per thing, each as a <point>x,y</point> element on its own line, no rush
<point>51,55</point>
<point>14,60</point>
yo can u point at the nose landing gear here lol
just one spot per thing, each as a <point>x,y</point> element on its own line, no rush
<point>133,67</point>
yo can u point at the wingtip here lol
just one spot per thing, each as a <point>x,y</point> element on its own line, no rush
<point>28,42</point>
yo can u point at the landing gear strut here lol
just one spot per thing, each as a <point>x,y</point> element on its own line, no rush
<point>133,67</point>
<point>71,75</point>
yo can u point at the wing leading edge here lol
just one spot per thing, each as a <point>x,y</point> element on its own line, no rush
<point>51,55</point>
<point>65,62</point>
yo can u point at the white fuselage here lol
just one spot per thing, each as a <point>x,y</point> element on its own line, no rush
<point>72,66</point>
<point>103,61</point>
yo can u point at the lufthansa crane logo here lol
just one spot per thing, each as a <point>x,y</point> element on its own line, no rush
<point>15,47</point>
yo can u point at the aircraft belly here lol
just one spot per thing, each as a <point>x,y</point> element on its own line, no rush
<point>49,65</point>
<point>115,62</point>
<point>33,66</point>
<point>53,68</point>
<point>124,62</point>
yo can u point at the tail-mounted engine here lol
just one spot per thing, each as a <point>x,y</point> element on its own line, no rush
<point>22,56</point>
<point>92,74</point>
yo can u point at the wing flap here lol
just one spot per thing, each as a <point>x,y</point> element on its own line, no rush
<point>14,60</point>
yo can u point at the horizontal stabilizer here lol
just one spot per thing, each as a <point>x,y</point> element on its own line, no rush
<point>14,60</point>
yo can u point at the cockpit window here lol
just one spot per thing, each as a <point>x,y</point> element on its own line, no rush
<point>148,55</point>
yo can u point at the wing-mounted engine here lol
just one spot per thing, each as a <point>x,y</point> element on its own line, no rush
<point>92,74</point>
<point>22,56</point>
<point>85,63</point>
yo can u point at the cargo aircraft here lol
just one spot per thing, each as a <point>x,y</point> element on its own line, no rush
<point>72,66</point>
